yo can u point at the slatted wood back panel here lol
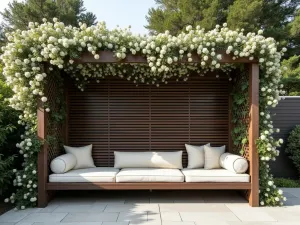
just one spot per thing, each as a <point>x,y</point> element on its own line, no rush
<point>115,115</point>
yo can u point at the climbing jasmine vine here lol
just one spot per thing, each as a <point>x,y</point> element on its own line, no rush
<point>30,56</point>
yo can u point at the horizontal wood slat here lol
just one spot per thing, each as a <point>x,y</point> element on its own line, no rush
<point>115,115</point>
<point>286,117</point>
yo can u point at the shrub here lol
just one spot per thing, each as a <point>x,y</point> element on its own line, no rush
<point>6,163</point>
<point>293,147</point>
<point>286,183</point>
<point>10,133</point>
<point>6,174</point>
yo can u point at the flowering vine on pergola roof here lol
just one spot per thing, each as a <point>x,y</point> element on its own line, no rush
<point>163,57</point>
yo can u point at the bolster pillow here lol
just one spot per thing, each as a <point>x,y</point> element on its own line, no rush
<point>171,160</point>
<point>63,163</point>
<point>233,163</point>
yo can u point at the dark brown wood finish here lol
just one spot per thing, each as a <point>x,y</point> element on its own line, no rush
<point>42,156</point>
<point>115,115</point>
<point>254,133</point>
<point>230,144</point>
<point>66,122</point>
<point>109,57</point>
<point>147,186</point>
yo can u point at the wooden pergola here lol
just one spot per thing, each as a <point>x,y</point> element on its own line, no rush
<point>48,152</point>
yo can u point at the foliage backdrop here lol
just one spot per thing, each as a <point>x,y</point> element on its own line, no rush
<point>10,132</point>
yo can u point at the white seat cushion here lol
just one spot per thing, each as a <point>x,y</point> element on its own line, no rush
<point>214,175</point>
<point>169,160</point>
<point>97,174</point>
<point>149,175</point>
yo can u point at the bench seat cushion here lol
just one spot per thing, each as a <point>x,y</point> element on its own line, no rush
<point>214,175</point>
<point>97,174</point>
<point>149,175</point>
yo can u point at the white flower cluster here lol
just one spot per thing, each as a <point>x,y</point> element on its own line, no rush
<point>31,55</point>
<point>26,53</point>
<point>26,179</point>
<point>29,187</point>
<point>138,74</point>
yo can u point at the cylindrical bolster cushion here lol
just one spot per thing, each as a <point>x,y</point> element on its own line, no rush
<point>172,160</point>
<point>233,163</point>
<point>63,163</point>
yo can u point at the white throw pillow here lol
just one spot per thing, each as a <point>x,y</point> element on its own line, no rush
<point>212,157</point>
<point>83,156</point>
<point>172,160</point>
<point>63,163</point>
<point>233,163</point>
<point>195,156</point>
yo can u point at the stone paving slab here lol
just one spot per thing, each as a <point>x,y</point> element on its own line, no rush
<point>170,216</point>
<point>13,216</point>
<point>132,216</point>
<point>78,208</point>
<point>158,208</point>
<point>208,216</point>
<point>20,223</point>
<point>90,217</point>
<point>70,223</point>
<point>193,207</point>
<point>44,217</point>
<point>132,208</point>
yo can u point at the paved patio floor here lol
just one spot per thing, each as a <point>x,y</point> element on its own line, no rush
<point>156,208</point>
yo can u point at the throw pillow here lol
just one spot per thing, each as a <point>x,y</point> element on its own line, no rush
<point>212,157</point>
<point>195,156</point>
<point>83,156</point>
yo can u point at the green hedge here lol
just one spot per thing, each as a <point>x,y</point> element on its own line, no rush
<point>286,183</point>
<point>10,133</point>
<point>293,147</point>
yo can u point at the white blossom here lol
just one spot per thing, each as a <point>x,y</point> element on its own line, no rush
<point>44,99</point>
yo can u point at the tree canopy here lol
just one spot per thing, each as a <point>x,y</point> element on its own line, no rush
<point>18,14</point>
<point>175,15</point>
<point>278,18</point>
<point>291,75</point>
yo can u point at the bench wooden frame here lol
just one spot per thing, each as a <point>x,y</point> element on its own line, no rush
<point>147,186</point>
<point>44,187</point>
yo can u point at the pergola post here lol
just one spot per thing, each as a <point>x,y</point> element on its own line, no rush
<point>42,156</point>
<point>254,133</point>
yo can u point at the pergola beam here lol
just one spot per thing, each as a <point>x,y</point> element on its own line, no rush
<point>109,57</point>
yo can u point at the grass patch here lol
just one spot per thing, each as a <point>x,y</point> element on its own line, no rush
<point>286,183</point>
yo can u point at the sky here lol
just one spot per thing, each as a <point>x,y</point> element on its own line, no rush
<point>116,12</point>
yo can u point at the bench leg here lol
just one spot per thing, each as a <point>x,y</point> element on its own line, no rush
<point>250,197</point>
<point>253,198</point>
<point>43,198</point>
